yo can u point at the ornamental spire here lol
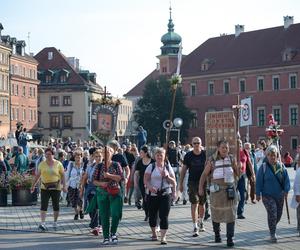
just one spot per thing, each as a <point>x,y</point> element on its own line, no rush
<point>170,24</point>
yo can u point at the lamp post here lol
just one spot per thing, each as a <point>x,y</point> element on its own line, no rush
<point>178,123</point>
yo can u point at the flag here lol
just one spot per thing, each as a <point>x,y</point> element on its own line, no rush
<point>179,57</point>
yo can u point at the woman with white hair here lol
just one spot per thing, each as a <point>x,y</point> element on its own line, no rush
<point>273,185</point>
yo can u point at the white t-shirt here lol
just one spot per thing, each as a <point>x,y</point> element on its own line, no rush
<point>156,179</point>
<point>73,178</point>
<point>259,156</point>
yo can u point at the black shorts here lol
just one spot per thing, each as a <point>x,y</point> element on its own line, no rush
<point>45,196</point>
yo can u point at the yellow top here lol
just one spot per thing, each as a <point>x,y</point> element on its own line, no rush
<point>51,174</point>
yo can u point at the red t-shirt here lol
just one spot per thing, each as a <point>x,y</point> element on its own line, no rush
<point>244,158</point>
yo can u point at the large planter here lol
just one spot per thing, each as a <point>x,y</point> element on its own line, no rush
<point>3,197</point>
<point>23,197</point>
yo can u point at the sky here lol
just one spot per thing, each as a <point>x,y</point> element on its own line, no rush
<point>120,39</point>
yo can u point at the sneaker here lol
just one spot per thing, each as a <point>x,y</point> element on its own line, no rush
<point>81,215</point>
<point>76,217</point>
<point>230,242</point>
<point>206,216</point>
<point>114,239</point>
<point>201,227</point>
<point>172,204</point>
<point>184,202</point>
<point>42,227</point>
<point>54,225</point>
<point>100,229</point>
<point>218,238</point>
<point>273,238</point>
<point>125,200</point>
<point>157,229</point>
<point>196,233</point>
<point>105,242</point>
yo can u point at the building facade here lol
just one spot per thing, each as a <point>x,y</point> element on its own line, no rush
<point>64,97</point>
<point>23,88</point>
<point>5,52</point>
<point>262,64</point>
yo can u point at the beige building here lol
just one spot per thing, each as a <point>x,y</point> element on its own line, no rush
<point>64,96</point>
<point>125,126</point>
<point>5,52</point>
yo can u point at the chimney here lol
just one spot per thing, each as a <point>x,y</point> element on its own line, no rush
<point>1,28</point>
<point>13,43</point>
<point>288,20</point>
<point>21,47</point>
<point>239,29</point>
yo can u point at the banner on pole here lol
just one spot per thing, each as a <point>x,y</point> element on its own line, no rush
<point>104,121</point>
<point>219,125</point>
<point>246,112</point>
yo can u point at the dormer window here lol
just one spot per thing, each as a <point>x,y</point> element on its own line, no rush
<point>63,75</point>
<point>288,54</point>
<point>50,55</point>
<point>206,64</point>
<point>63,78</point>
<point>48,79</point>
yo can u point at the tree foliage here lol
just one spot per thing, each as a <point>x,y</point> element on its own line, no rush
<point>155,107</point>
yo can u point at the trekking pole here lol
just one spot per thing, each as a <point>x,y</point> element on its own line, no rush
<point>287,210</point>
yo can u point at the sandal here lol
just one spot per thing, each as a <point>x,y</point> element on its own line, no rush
<point>154,238</point>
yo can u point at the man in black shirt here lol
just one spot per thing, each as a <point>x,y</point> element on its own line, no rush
<point>194,161</point>
<point>174,157</point>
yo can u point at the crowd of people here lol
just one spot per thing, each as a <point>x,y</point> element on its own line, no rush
<point>98,180</point>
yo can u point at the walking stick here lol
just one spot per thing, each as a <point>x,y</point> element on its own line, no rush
<point>287,210</point>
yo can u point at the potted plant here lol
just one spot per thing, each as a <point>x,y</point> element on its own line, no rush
<point>3,190</point>
<point>20,185</point>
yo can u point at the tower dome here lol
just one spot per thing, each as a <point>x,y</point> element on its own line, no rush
<point>171,40</point>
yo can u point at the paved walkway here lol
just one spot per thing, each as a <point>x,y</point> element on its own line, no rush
<point>251,233</point>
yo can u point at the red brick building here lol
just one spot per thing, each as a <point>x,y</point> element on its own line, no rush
<point>23,87</point>
<point>263,64</point>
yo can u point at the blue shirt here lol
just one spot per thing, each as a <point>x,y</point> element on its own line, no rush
<point>267,184</point>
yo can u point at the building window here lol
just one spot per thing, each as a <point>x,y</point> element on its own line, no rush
<point>164,69</point>
<point>293,115</point>
<point>30,91</point>
<point>193,89</point>
<point>54,101</point>
<point>17,114</point>
<point>293,81</point>
<point>67,121</point>
<point>39,119</point>
<point>48,79</point>
<point>50,55</point>
<point>261,117</point>
<point>275,80</point>
<point>63,78</point>
<point>210,88</point>
<point>226,87</point>
<point>67,101</point>
<point>24,115</point>
<point>242,86</point>
<point>54,121</point>
<point>24,91</point>
<point>260,84</point>
<point>194,122</point>
<point>17,90</point>
<point>277,114</point>
<point>294,142</point>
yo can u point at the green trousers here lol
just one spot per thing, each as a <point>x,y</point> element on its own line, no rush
<point>109,207</point>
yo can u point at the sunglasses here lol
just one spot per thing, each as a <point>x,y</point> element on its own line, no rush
<point>195,143</point>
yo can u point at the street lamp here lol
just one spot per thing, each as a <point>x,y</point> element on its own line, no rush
<point>178,123</point>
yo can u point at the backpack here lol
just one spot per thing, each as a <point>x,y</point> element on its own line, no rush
<point>22,139</point>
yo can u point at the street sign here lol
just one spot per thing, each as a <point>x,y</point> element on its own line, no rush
<point>246,112</point>
<point>219,125</point>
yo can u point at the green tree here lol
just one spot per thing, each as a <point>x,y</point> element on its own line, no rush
<point>155,106</point>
